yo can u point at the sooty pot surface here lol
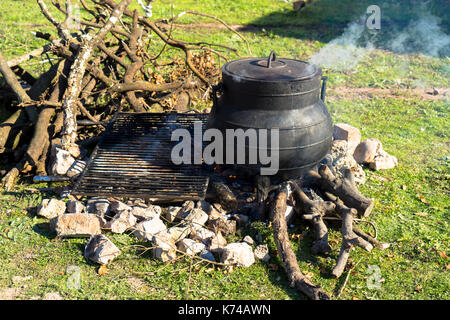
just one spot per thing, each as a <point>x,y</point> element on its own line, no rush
<point>271,93</point>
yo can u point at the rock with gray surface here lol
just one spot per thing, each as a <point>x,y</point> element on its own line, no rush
<point>100,249</point>
<point>352,135</point>
<point>62,161</point>
<point>216,243</point>
<point>171,213</point>
<point>143,212</point>
<point>179,232</point>
<point>121,222</point>
<point>196,216</point>
<point>146,230</point>
<point>343,159</point>
<point>190,247</point>
<point>240,254</point>
<point>117,206</point>
<point>262,253</point>
<point>366,151</point>
<point>249,240</point>
<point>77,225</point>
<point>51,208</point>
<point>164,247</point>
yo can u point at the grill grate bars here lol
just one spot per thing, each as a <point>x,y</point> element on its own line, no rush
<point>133,160</point>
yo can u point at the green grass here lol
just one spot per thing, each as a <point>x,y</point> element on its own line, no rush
<point>414,130</point>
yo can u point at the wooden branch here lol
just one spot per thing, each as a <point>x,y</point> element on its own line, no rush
<point>217,19</point>
<point>296,278</point>
<point>78,69</point>
<point>32,54</point>
<point>41,134</point>
<point>11,80</point>
<point>314,211</point>
<point>62,29</point>
<point>349,239</point>
<point>135,66</point>
<point>146,86</point>
<point>150,24</point>
<point>344,189</point>
<point>23,75</point>
<point>6,127</point>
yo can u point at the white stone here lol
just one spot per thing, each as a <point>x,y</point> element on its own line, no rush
<point>121,222</point>
<point>262,253</point>
<point>239,254</point>
<point>118,206</point>
<point>146,230</point>
<point>343,160</point>
<point>343,131</point>
<point>171,213</point>
<point>190,247</point>
<point>217,243</point>
<point>98,206</point>
<point>196,216</point>
<point>51,208</point>
<point>204,205</point>
<point>164,247</point>
<point>200,233</point>
<point>179,232</point>
<point>62,161</point>
<point>146,212</point>
<point>75,206</point>
<point>366,151</point>
<point>77,225</point>
<point>185,209</point>
<point>100,249</point>
<point>383,161</point>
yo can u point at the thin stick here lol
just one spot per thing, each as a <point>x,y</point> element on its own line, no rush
<point>341,289</point>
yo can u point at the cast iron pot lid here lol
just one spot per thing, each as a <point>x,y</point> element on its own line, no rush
<point>270,69</point>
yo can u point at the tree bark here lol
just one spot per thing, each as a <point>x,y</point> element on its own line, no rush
<point>296,278</point>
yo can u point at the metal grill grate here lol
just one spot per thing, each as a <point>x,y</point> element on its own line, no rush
<point>133,160</point>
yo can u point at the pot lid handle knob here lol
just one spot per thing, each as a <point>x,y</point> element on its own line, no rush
<point>272,57</point>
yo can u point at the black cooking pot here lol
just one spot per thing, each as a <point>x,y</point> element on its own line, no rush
<point>271,93</point>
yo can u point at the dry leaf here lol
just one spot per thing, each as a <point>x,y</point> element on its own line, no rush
<point>102,270</point>
<point>418,289</point>
<point>447,267</point>
<point>422,214</point>
<point>424,200</point>
<point>443,255</point>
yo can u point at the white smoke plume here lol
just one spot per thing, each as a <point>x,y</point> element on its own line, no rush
<point>422,34</point>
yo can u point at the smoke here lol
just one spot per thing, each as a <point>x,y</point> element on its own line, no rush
<point>424,36</point>
<point>421,33</point>
<point>343,53</point>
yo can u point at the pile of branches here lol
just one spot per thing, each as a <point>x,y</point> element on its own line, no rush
<point>333,200</point>
<point>109,64</point>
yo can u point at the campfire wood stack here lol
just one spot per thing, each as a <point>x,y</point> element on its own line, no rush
<point>113,60</point>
